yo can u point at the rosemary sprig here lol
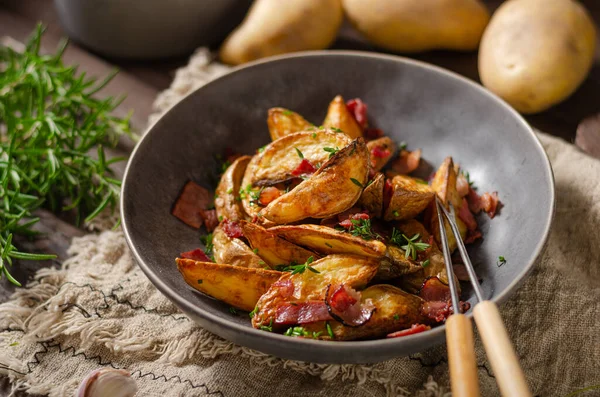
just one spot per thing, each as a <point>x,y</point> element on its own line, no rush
<point>53,133</point>
<point>413,245</point>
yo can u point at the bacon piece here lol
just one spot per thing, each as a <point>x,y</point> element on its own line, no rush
<point>359,110</point>
<point>434,290</point>
<point>302,313</point>
<point>304,168</point>
<point>372,134</point>
<point>465,215</point>
<point>209,217</point>
<point>462,185</point>
<point>489,203</point>
<point>196,255</point>
<point>474,201</point>
<point>406,162</point>
<point>232,229</point>
<point>473,236</point>
<point>345,306</point>
<point>285,287</point>
<point>415,329</point>
<point>438,311</point>
<point>267,195</point>
<point>380,152</point>
<point>347,223</point>
<point>193,199</point>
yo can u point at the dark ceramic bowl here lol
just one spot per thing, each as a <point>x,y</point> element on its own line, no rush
<point>428,107</point>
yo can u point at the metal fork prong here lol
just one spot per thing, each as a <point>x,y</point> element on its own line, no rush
<point>447,259</point>
<point>463,252</point>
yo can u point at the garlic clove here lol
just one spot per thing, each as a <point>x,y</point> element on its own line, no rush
<point>107,382</point>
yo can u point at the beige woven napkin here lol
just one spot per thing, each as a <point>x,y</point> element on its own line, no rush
<point>99,309</point>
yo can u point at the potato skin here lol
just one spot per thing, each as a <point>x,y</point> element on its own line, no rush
<point>535,53</point>
<point>332,189</point>
<point>409,198</point>
<point>271,248</point>
<point>272,28</point>
<point>338,116</point>
<point>282,122</point>
<point>371,198</point>
<point>326,240</point>
<point>226,202</point>
<point>234,251</point>
<point>385,143</point>
<point>237,286</point>
<point>419,25</point>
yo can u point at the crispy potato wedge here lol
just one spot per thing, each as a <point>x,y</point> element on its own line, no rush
<point>283,122</point>
<point>338,116</point>
<point>326,240</point>
<point>237,286</point>
<point>409,198</point>
<point>271,248</point>
<point>234,251</point>
<point>334,188</point>
<point>371,198</point>
<point>354,271</point>
<point>395,264</point>
<point>381,151</point>
<point>444,185</point>
<point>226,203</point>
<point>394,310</point>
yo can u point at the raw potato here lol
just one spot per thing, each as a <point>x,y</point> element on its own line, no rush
<point>395,311</point>
<point>234,251</point>
<point>535,53</point>
<point>354,271</point>
<point>273,27</point>
<point>444,184</point>
<point>384,143</point>
<point>332,189</point>
<point>237,286</point>
<point>283,122</point>
<point>271,248</point>
<point>226,202</point>
<point>371,198</point>
<point>326,240</point>
<point>419,25</point>
<point>338,116</point>
<point>409,198</point>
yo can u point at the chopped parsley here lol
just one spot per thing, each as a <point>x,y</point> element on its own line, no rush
<point>261,149</point>
<point>331,151</point>
<point>356,182</point>
<point>296,268</point>
<point>299,153</point>
<point>232,310</point>
<point>253,312</point>
<point>268,328</point>
<point>396,317</point>
<point>255,250</point>
<point>220,218</point>
<point>336,129</point>
<point>403,145</point>
<point>287,112</point>
<point>395,213</point>
<point>314,135</point>
<point>501,261</point>
<point>254,195</point>
<point>362,228</point>
<point>300,331</point>
<point>230,190</point>
<point>199,281</point>
<point>329,330</point>
<point>425,263</point>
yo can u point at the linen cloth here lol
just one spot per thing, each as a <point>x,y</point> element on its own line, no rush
<point>98,309</point>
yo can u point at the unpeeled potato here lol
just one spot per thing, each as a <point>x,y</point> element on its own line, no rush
<point>535,53</point>
<point>274,27</point>
<point>419,25</point>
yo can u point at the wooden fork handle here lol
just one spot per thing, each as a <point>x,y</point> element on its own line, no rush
<point>500,351</point>
<point>461,356</point>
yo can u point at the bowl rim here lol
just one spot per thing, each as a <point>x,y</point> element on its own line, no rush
<point>332,346</point>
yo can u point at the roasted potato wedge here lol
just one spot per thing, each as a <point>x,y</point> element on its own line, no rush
<point>338,116</point>
<point>354,271</point>
<point>271,248</point>
<point>237,286</point>
<point>226,203</point>
<point>409,198</point>
<point>371,198</point>
<point>395,310</point>
<point>283,122</point>
<point>234,251</point>
<point>381,151</point>
<point>326,240</point>
<point>334,188</point>
<point>396,264</point>
<point>444,185</point>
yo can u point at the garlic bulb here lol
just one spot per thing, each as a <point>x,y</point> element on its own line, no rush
<point>107,382</point>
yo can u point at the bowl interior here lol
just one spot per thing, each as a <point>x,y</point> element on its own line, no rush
<point>426,107</point>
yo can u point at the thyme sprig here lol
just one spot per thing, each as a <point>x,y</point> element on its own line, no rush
<point>298,268</point>
<point>53,135</point>
<point>411,246</point>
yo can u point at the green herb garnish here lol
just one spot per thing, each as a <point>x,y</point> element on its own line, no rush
<point>287,112</point>
<point>413,245</point>
<point>331,151</point>
<point>314,135</point>
<point>335,129</point>
<point>329,245</point>
<point>268,328</point>
<point>357,182</point>
<point>329,330</point>
<point>501,261</point>
<point>425,263</point>
<point>233,310</point>
<point>300,331</point>
<point>362,228</point>
<point>468,178</point>
<point>396,317</point>
<point>199,281</point>
<point>207,240</point>
<point>53,136</point>
<point>253,312</point>
<point>299,153</point>
<point>296,268</point>
<point>395,213</point>
<point>261,149</point>
<point>403,145</point>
